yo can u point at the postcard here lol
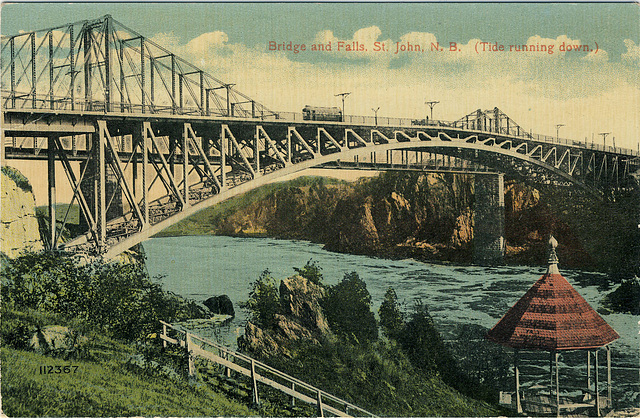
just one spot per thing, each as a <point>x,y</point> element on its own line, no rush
<point>320,209</point>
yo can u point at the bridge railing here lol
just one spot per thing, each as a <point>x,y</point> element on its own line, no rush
<point>26,100</point>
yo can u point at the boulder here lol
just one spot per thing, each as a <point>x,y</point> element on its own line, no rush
<point>55,339</point>
<point>300,302</point>
<point>220,305</point>
<point>260,343</point>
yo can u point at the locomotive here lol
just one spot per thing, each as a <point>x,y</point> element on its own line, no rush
<point>322,113</point>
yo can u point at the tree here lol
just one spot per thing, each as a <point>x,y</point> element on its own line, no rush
<point>311,271</point>
<point>422,342</point>
<point>264,300</point>
<point>348,309</point>
<point>391,318</point>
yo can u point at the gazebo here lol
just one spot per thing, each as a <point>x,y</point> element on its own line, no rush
<point>553,317</point>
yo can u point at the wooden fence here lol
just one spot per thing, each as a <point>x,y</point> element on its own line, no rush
<point>258,372</point>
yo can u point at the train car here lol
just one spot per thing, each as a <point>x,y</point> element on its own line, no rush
<point>322,113</point>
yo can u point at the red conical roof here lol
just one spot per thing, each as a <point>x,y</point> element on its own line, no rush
<point>552,316</point>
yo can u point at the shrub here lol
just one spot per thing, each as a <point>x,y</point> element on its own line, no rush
<point>311,271</point>
<point>391,318</point>
<point>21,181</point>
<point>264,300</point>
<point>348,309</point>
<point>117,298</point>
<point>626,298</point>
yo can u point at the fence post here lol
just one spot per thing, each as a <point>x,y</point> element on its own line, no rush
<point>227,370</point>
<point>320,411</point>
<point>192,370</point>
<point>256,399</point>
<point>164,334</point>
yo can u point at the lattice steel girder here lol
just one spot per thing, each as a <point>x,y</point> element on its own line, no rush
<point>102,60</point>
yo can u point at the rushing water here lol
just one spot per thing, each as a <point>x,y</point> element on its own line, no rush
<point>203,266</point>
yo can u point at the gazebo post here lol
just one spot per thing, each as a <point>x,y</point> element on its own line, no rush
<point>610,400</point>
<point>516,371</point>
<point>597,382</point>
<point>588,374</point>
<point>557,385</point>
<point>550,375</point>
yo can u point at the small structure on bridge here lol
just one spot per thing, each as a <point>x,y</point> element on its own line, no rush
<point>553,317</point>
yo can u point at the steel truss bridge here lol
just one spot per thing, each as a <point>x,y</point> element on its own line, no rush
<point>147,139</point>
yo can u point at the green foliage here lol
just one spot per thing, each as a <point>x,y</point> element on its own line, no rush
<point>117,298</point>
<point>311,271</point>
<point>379,378</point>
<point>422,343</point>
<point>348,309</point>
<point>264,300</point>
<point>21,181</point>
<point>391,317</point>
<point>626,298</point>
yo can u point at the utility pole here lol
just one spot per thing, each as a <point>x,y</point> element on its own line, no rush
<point>558,126</point>
<point>343,95</point>
<point>375,111</point>
<point>431,105</point>
<point>604,138</point>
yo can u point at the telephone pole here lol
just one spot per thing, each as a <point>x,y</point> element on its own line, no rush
<point>431,105</point>
<point>343,95</point>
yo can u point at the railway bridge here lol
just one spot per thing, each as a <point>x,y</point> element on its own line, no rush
<point>146,139</point>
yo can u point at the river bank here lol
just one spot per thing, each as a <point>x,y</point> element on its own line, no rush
<point>464,301</point>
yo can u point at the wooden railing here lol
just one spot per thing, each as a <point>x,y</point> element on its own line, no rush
<point>196,346</point>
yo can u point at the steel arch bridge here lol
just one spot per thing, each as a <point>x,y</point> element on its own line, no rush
<point>146,139</point>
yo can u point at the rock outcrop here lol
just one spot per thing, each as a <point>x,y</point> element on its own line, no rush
<point>431,217</point>
<point>300,318</point>
<point>19,226</point>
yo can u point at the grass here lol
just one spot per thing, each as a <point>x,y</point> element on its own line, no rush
<point>96,390</point>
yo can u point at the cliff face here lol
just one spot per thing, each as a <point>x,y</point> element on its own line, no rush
<point>405,215</point>
<point>430,217</point>
<point>19,225</point>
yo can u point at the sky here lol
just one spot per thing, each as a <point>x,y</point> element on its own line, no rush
<point>595,89</point>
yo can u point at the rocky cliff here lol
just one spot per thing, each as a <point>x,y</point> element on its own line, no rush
<point>430,217</point>
<point>19,225</point>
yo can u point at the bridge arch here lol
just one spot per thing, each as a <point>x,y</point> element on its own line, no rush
<point>432,145</point>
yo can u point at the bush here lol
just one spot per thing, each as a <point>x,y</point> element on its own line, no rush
<point>117,298</point>
<point>348,309</point>
<point>626,298</point>
<point>311,271</point>
<point>264,301</point>
<point>391,318</point>
<point>21,181</point>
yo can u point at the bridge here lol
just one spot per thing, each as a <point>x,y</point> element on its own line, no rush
<point>146,139</point>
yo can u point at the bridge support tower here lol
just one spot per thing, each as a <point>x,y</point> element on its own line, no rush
<point>488,237</point>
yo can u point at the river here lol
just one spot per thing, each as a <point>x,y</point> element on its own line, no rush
<point>458,297</point>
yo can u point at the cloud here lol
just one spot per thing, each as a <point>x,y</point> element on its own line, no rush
<point>632,56</point>
<point>361,45</point>
<point>583,90</point>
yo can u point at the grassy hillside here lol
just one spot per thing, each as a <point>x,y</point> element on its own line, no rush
<point>99,390</point>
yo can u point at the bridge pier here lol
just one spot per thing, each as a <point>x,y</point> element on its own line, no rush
<point>488,236</point>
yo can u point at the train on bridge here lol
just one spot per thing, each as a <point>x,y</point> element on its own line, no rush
<point>322,113</point>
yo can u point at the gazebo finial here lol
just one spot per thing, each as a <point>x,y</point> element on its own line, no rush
<point>553,257</point>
